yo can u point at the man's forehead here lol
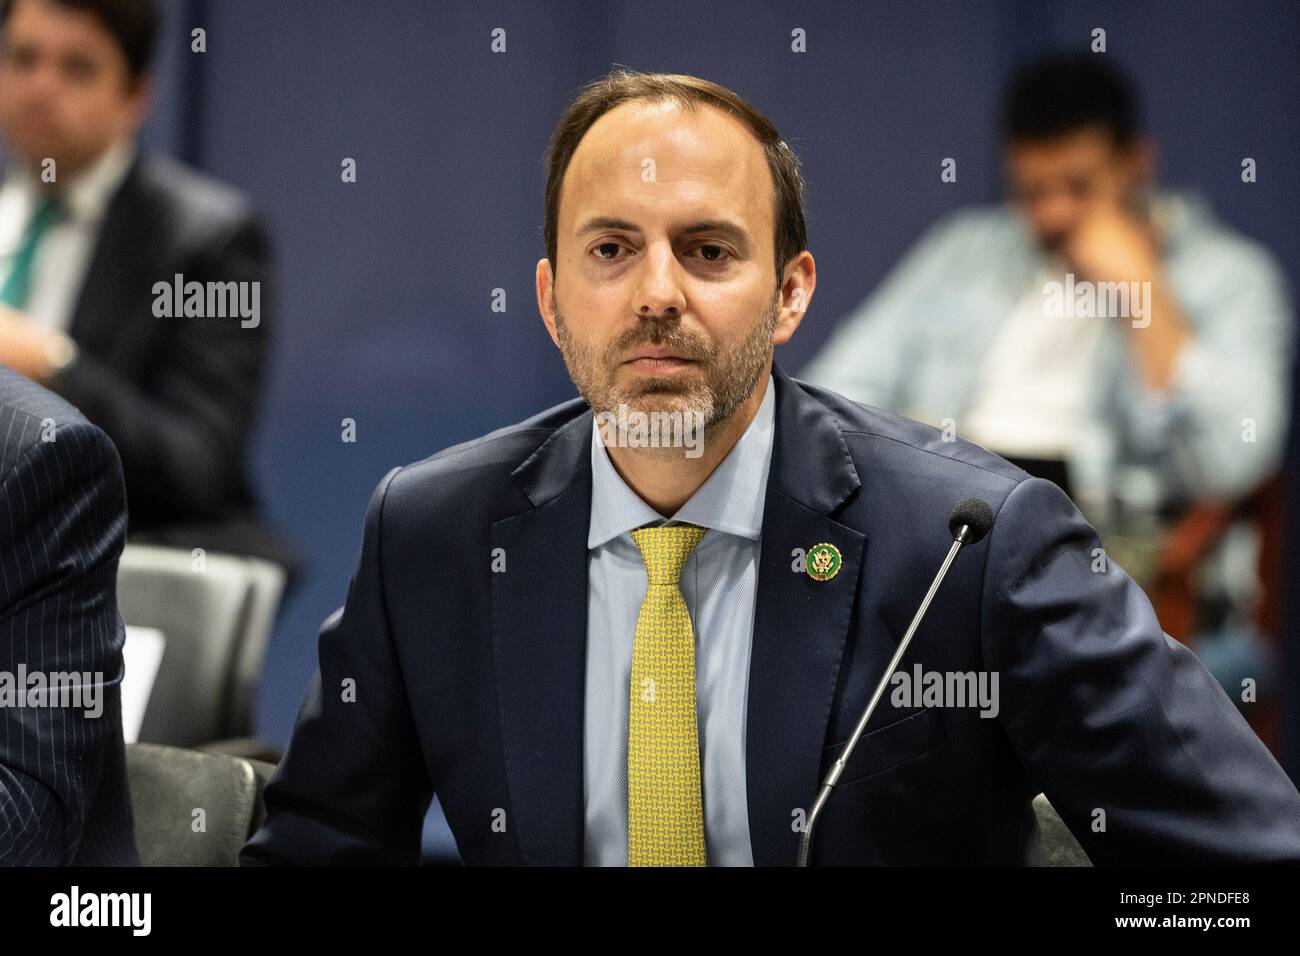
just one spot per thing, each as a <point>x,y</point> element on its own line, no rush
<point>703,156</point>
<point>1083,145</point>
<point>66,29</point>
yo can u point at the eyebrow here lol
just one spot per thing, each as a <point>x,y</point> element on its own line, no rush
<point>724,227</point>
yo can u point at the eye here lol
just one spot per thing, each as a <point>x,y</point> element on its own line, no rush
<point>20,57</point>
<point>713,252</point>
<point>79,70</point>
<point>614,246</point>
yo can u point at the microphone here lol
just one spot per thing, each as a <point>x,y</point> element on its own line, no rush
<point>969,522</point>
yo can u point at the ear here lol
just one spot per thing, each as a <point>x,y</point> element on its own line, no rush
<point>545,281</point>
<point>1143,160</point>
<point>796,295</point>
<point>140,100</point>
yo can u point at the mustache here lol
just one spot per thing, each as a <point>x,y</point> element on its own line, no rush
<point>1053,242</point>
<point>665,332</point>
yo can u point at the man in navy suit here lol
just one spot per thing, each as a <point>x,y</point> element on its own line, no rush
<point>526,605</point>
<point>63,791</point>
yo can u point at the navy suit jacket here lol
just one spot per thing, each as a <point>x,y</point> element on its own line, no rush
<point>63,789</point>
<point>177,396</point>
<point>441,674</point>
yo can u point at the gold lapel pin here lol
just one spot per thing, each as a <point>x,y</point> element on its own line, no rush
<point>823,561</point>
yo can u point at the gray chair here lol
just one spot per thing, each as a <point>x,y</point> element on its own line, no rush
<point>169,786</point>
<point>1054,844</point>
<point>217,618</point>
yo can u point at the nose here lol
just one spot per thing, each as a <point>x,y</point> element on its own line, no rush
<point>1053,215</point>
<point>659,291</point>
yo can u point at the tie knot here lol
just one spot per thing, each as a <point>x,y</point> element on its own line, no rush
<point>665,550</point>
<point>50,208</point>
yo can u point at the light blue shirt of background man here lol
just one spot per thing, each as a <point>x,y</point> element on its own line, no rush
<point>1138,409</point>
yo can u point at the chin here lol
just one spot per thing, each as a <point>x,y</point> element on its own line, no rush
<point>38,148</point>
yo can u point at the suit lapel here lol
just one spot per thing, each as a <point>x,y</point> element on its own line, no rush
<point>800,625</point>
<point>120,274</point>
<point>539,634</point>
<point>118,271</point>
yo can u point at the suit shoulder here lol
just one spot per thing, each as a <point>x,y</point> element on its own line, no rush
<point>881,440</point>
<point>974,228</point>
<point>195,199</point>
<point>27,411</point>
<point>20,395</point>
<point>479,470</point>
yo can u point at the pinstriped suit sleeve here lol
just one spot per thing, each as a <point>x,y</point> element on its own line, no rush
<point>62,528</point>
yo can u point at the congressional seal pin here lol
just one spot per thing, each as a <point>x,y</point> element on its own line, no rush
<point>823,561</point>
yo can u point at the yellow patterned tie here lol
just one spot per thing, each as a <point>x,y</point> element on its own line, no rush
<point>665,815</point>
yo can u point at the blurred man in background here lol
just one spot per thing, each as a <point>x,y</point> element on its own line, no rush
<point>1118,341</point>
<point>91,230</point>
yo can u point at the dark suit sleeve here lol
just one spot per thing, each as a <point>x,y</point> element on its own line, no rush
<point>352,788</point>
<point>182,428</point>
<point>1108,713</point>
<point>62,528</point>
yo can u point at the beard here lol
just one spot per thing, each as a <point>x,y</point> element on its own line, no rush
<point>710,391</point>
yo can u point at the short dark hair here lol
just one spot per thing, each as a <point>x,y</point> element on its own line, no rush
<point>1061,94</point>
<point>133,24</point>
<point>621,86</point>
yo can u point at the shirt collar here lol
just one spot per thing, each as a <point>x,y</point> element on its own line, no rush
<point>87,193</point>
<point>729,501</point>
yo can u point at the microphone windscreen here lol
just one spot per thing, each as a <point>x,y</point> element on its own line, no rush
<point>973,513</point>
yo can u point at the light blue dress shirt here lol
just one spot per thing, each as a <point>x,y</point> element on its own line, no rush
<point>719,584</point>
<point>917,345</point>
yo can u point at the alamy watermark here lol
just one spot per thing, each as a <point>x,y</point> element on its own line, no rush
<point>628,428</point>
<point>209,300</point>
<point>1085,299</point>
<point>922,688</point>
<point>133,911</point>
<point>78,690</point>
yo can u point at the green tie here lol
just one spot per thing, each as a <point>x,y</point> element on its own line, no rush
<point>18,285</point>
<point>665,818</point>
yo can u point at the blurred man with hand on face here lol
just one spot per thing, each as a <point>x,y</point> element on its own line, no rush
<point>89,226</point>
<point>1119,341</point>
